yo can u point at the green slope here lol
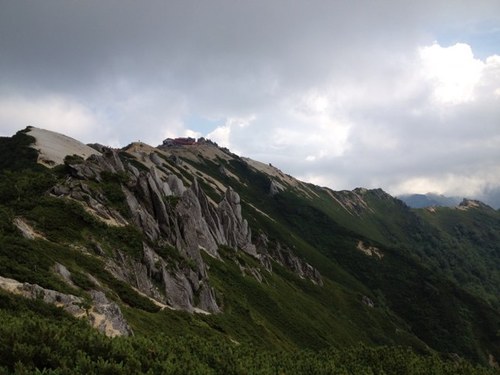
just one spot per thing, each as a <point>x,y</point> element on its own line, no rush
<point>420,301</point>
<point>413,280</point>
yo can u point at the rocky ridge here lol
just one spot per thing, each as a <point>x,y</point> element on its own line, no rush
<point>174,213</point>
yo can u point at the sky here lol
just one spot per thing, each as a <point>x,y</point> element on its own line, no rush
<point>401,95</point>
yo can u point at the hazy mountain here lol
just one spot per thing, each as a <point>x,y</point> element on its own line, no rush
<point>429,200</point>
<point>208,262</point>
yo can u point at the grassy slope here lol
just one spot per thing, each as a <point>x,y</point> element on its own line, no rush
<point>35,336</point>
<point>474,236</point>
<point>435,308</point>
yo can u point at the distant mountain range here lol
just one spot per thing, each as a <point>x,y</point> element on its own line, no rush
<point>429,200</point>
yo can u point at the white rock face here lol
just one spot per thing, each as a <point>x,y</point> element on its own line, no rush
<point>54,147</point>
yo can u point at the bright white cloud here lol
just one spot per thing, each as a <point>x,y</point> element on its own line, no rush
<point>472,184</point>
<point>452,71</point>
<point>312,103</point>
<point>221,135</point>
<point>119,120</point>
<point>52,112</point>
<point>490,82</point>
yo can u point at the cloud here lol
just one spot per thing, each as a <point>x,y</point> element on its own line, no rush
<point>453,72</point>
<point>392,94</point>
<point>141,113</point>
<point>115,118</point>
<point>436,132</point>
<point>444,135</point>
<point>51,112</point>
<point>221,135</point>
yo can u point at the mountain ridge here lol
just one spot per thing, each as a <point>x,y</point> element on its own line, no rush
<point>429,200</point>
<point>275,261</point>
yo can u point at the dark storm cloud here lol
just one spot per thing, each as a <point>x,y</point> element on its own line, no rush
<point>67,44</point>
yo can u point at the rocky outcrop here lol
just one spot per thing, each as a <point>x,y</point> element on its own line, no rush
<point>94,202</point>
<point>275,187</point>
<point>286,258</point>
<point>223,171</point>
<point>235,228</point>
<point>186,287</point>
<point>62,271</point>
<point>101,313</point>
<point>53,147</point>
<point>254,272</point>
<point>367,301</point>
<point>180,285</point>
<point>26,229</point>
<point>92,168</point>
<point>371,251</point>
<point>467,204</point>
<point>274,251</point>
<point>351,201</point>
<point>141,217</point>
<point>136,273</point>
<point>106,316</point>
<point>170,215</point>
<point>194,214</point>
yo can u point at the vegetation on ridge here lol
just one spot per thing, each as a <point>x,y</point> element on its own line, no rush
<point>36,337</point>
<point>433,291</point>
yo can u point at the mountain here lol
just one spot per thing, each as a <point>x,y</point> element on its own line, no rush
<point>429,200</point>
<point>198,260</point>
